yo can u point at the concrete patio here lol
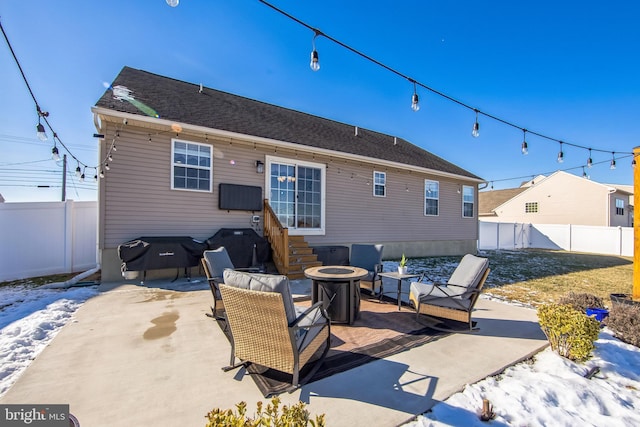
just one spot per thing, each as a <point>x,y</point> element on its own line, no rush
<point>147,355</point>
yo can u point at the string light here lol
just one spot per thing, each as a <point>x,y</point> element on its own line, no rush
<point>584,174</point>
<point>612,165</point>
<point>314,64</point>
<point>560,154</point>
<point>475,132</point>
<point>415,105</point>
<point>525,146</point>
<point>416,83</point>
<point>78,171</point>
<point>55,154</point>
<point>173,3</point>
<point>589,160</point>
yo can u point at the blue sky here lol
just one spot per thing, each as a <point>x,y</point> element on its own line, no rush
<point>568,70</point>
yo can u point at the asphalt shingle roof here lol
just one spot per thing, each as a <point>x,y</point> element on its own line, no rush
<point>182,102</point>
<point>489,200</point>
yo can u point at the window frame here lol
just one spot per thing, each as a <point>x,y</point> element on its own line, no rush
<point>619,209</point>
<point>174,164</point>
<point>427,182</point>
<point>473,202</point>
<point>295,163</point>
<point>383,175</point>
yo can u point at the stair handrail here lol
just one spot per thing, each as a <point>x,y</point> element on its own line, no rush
<point>278,237</point>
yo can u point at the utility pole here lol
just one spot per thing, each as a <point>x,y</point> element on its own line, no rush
<point>64,177</point>
<point>636,227</point>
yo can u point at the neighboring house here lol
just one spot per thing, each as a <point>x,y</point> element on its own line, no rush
<point>560,198</point>
<point>174,143</point>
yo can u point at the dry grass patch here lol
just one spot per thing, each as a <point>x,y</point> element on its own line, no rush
<point>535,277</point>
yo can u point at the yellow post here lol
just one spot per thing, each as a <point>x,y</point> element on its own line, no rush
<point>636,229</point>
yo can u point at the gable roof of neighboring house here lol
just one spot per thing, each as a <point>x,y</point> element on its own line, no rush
<point>183,102</point>
<point>489,200</point>
<point>545,181</point>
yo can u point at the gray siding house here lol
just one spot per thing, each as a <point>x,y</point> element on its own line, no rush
<point>169,145</point>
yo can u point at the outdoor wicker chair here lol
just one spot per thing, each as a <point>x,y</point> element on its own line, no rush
<point>214,263</point>
<point>455,299</point>
<point>268,330</point>
<point>368,257</point>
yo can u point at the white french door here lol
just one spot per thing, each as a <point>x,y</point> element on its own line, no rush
<point>296,194</point>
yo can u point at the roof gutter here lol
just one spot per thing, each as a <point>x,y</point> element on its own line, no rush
<point>188,128</point>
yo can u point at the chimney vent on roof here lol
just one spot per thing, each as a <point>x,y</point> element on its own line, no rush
<point>395,140</point>
<point>200,91</point>
<point>356,131</point>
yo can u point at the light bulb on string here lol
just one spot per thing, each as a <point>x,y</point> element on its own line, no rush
<point>110,157</point>
<point>40,132</point>
<point>101,174</point>
<point>633,162</point>
<point>612,165</point>
<point>584,174</point>
<point>78,171</point>
<point>415,104</point>
<point>173,3</point>
<point>560,154</point>
<point>84,169</point>
<point>106,166</point>
<point>589,160</point>
<point>475,132</point>
<point>525,146</point>
<point>55,154</point>
<point>315,63</point>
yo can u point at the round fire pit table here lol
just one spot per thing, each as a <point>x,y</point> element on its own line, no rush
<point>338,287</point>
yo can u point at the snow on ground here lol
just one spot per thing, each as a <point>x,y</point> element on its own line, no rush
<point>547,390</point>
<point>550,390</point>
<point>29,319</point>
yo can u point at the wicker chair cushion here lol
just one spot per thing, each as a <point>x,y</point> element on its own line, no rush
<point>467,275</point>
<point>264,283</point>
<point>366,256</point>
<point>434,295</point>
<point>313,318</point>
<point>217,260</point>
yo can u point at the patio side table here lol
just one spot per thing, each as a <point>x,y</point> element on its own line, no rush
<point>399,277</point>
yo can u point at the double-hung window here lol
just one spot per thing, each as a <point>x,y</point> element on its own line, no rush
<point>190,166</point>
<point>431,197</point>
<point>619,207</point>
<point>468,196</point>
<point>379,184</point>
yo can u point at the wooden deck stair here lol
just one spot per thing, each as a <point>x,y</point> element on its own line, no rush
<point>291,254</point>
<point>301,257</point>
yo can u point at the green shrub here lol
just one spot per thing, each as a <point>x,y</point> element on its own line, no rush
<point>581,302</point>
<point>624,321</point>
<point>570,332</point>
<point>272,416</point>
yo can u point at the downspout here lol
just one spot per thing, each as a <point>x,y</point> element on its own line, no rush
<point>71,282</point>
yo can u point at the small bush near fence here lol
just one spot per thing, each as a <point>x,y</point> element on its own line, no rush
<point>581,301</point>
<point>272,415</point>
<point>570,332</point>
<point>624,321</point>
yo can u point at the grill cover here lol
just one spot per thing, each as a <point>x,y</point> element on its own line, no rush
<point>150,253</point>
<point>239,243</point>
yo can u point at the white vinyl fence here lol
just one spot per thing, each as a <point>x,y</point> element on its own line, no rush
<point>576,238</point>
<point>37,239</point>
